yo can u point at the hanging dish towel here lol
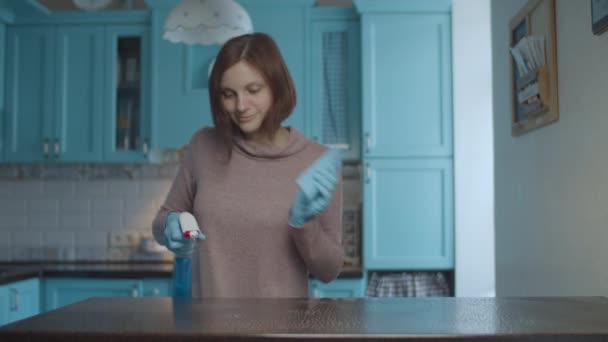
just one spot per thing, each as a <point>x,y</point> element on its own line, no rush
<point>408,284</point>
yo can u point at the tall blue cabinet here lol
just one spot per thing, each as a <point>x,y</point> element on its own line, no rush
<point>407,152</point>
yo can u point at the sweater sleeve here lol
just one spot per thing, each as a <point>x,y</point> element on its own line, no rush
<point>319,241</point>
<point>180,197</point>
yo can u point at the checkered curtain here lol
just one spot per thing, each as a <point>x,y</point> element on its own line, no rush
<point>408,284</point>
<point>335,123</point>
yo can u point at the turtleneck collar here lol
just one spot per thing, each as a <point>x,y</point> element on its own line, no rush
<point>295,144</point>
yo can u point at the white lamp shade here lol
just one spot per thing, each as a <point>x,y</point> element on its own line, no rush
<point>206,22</point>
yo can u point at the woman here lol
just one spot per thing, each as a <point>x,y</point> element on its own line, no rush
<point>268,200</point>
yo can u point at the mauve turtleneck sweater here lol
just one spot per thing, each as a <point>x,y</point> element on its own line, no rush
<point>242,207</point>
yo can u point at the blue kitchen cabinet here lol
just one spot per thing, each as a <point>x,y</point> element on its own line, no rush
<point>180,99</point>
<point>29,88</point>
<point>406,59</point>
<point>63,96</point>
<point>157,287</point>
<point>59,292</point>
<point>3,304</point>
<point>53,103</point>
<point>24,299</point>
<point>126,91</point>
<point>2,80</point>
<point>408,214</point>
<point>19,300</point>
<point>335,86</point>
<point>339,288</point>
<point>78,76</point>
<point>407,147</point>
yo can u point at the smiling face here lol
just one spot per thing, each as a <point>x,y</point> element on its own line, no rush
<point>246,97</point>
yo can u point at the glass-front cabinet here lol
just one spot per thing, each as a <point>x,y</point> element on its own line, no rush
<point>128,124</point>
<point>335,81</point>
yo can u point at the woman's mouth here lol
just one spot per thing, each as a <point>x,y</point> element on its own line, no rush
<point>244,119</point>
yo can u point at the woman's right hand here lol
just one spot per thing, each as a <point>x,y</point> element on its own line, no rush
<point>174,238</point>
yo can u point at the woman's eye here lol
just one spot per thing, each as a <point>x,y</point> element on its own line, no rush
<point>254,91</point>
<point>227,95</point>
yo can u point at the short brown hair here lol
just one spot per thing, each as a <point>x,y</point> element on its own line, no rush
<point>261,52</point>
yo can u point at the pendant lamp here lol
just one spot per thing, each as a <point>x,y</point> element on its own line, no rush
<point>206,22</point>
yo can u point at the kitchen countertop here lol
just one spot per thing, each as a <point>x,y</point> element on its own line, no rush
<point>431,319</point>
<point>11,272</point>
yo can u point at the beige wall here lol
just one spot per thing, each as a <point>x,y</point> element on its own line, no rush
<point>552,183</point>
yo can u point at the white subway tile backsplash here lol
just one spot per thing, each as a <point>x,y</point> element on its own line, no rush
<point>124,188</point>
<point>43,221</point>
<point>74,221</point>
<point>5,254</point>
<point>10,222</point>
<point>91,238</point>
<point>68,212</point>
<point>98,188</point>
<point>140,205</point>
<point>47,205</point>
<point>79,205</point>
<point>28,189</point>
<point>58,239</point>
<point>106,222</point>
<point>12,206</point>
<point>27,238</point>
<point>155,188</point>
<point>92,253</point>
<point>108,206</point>
<point>6,189</point>
<point>5,240</point>
<point>59,189</point>
<point>139,222</point>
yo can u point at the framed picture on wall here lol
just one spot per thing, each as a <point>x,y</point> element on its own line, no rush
<point>599,16</point>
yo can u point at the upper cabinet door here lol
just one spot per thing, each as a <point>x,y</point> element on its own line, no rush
<point>335,85</point>
<point>407,85</point>
<point>78,129</point>
<point>2,67</point>
<point>126,88</point>
<point>29,97</point>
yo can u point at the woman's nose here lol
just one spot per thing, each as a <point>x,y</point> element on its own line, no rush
<point>241,103</point>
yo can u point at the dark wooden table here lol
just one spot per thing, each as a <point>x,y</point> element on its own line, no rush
<point>428,319</point>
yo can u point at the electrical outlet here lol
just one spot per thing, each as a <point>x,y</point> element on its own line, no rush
<point>124,239</point>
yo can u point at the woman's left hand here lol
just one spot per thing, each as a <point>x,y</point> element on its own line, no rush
<point>315,188</point>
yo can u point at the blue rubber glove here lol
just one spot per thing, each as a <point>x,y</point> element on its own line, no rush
<point>174,238</point>
<point>316,186</point>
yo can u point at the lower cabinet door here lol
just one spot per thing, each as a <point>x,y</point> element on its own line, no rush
<point>340,288</point>
<point>3,305</point>
<point>63,291</point>
<point>23,299</point>
<point>19,300</point>
<point>157,287</point>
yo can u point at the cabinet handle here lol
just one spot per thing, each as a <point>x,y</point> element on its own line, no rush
<point>135,291</point>
<point>45,148</point>
<point>56,148</point>
<point>144,148</point>
<point>14,299</point>
<point>368,142</point>
<point>368,173</point>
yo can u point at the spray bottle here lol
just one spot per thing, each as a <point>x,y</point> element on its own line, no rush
<point>182,269</point>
